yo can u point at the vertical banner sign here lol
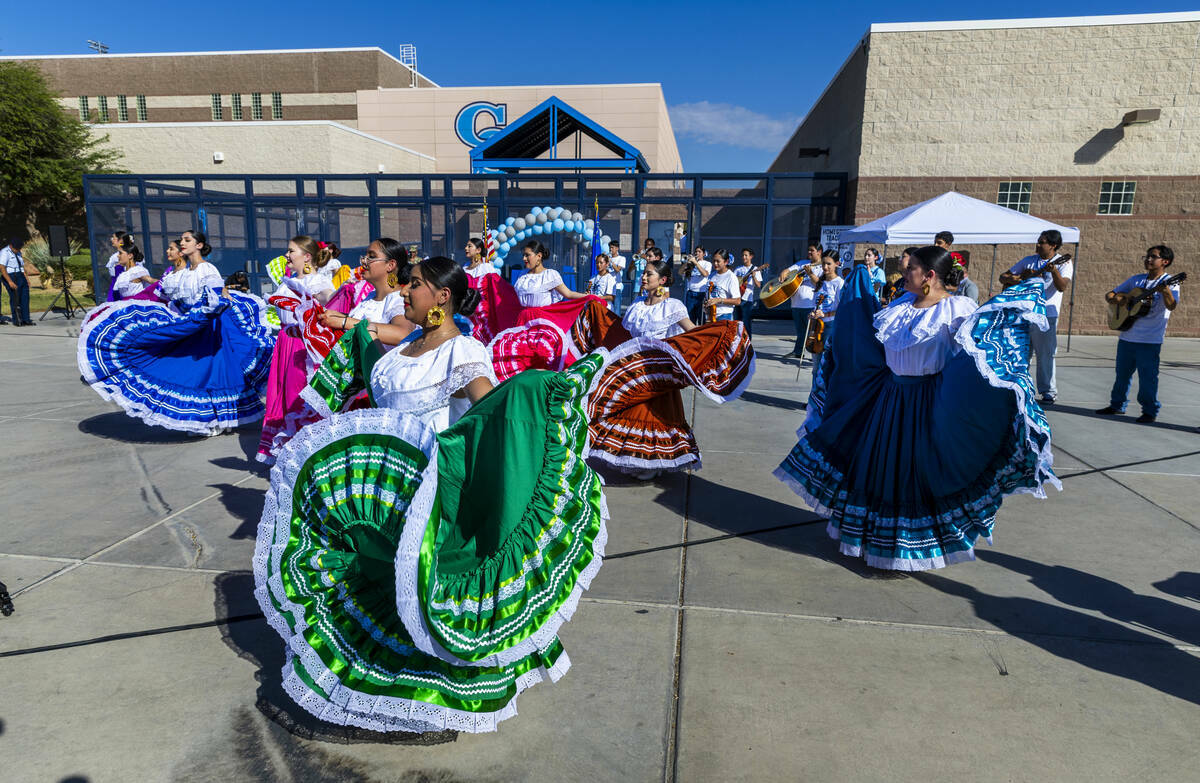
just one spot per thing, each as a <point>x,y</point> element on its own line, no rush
<point>830,240</point>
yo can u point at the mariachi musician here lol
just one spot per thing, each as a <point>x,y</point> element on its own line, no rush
<point>828,288</point>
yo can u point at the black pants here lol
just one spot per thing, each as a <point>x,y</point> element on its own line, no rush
<point>800,320</point>
<point>746,314</point>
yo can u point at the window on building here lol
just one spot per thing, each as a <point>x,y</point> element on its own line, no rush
<point>216,106</point>
<point>1015,195</point>
<point>103,101</point>
<point>1116,198</point>
<point>235,103</point>
<point>122,109</point>
<point>276,106</point>
<point>256,105</point>
<point>141,108</point>
<point>85,113</point>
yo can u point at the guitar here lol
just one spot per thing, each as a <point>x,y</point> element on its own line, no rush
<point>745,279</point>
<point>1137,302</point>
<point>1029,274</point>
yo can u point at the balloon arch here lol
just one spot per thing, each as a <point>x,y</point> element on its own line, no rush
<point>542,221</point>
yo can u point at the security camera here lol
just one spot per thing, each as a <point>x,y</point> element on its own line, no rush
<point>218,157</point>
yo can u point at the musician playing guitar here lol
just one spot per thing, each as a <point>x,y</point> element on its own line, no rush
<point>751,280</point>
<point>1055,269</point>
<point>1140,345</point>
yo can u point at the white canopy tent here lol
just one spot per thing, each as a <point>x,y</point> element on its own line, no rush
<point>973,222</point>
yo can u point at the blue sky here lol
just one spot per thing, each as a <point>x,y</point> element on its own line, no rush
<point>737,76</point>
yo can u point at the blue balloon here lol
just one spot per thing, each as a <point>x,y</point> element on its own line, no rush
<point>504,248</point>
<point>539,228</point>
<point>509,221</point>
<point>558,224</point>
<point>536,210</point>
<point>498,264</point>
<point>569,225</point>
<point>519,236</point>
<point>587,234</point>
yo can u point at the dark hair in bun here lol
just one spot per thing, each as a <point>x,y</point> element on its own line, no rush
<point>662,268</point>
<point>201,240</point>
<point>130,247</point>
<point>939,261</point>
<point>440,272</point>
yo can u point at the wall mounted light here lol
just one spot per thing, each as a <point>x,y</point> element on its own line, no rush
<point>1140,117</point>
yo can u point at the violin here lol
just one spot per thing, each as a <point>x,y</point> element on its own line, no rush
<point>815,344</point>
<point>710,311</point>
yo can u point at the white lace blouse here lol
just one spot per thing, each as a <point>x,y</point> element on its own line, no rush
<point>659,320</point>
<point>128,283</point>
<point>919,341</point>
<point>188,285</point>
<point>424,385</point>
<point>483,270</point>
<point>538,290</point>
<point>379,311</point>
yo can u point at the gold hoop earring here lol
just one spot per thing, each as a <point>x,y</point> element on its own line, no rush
<point>925,290</point>
<point>392,280</point>
<point>436,316</point>
<point>308,270</point>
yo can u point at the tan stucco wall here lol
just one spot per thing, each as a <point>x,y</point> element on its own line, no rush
<point>423,119</point>
<point>1027,101</point>
<point>257,148</point>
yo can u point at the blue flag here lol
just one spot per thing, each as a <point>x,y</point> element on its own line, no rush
<point>596,234</point>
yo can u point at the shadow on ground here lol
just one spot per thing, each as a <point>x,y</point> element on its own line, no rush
<point>1099,644</point>
<point>119,426</point>
<point>256,642</point>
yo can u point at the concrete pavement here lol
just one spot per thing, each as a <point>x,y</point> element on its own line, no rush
<point>723,639</point>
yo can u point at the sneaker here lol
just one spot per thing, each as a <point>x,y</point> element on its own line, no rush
<point>1109,410</point>
<point>1047,400</point>
<point>1146,418</point>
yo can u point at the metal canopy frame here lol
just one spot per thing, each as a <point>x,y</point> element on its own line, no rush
<point>538,132</point>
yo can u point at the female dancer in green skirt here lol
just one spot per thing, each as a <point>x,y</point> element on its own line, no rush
<point>419,557</point>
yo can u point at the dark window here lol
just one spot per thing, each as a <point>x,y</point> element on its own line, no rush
<point>103,101</point>
<point>141,108</point>
<point>1015,195</point>
<point>256,105</point>
<point>276,106</point>
<point>216,106</point>
<point>1116,198</point>
<point>235,103</point>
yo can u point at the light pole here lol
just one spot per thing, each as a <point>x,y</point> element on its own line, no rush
<point>100,48</point>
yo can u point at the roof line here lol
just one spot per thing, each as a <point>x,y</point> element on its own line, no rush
<point>218,53</point>
<point>1054,21</point>
<point>107,126</point>
<point>532,86</point>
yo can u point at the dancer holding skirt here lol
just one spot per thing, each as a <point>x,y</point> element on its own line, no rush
<point>926,418</point>
<point>419,558</point>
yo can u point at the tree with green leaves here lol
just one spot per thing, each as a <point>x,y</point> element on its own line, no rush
<point>44,153</point>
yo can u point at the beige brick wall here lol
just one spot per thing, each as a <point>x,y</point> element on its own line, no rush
<point>257,148</point>
<point>997,102</point>
<point>1110,248</point>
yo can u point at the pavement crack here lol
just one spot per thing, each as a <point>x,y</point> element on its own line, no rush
<point>194,539</point>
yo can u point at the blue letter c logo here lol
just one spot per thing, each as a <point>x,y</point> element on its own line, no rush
<point>464,123</point>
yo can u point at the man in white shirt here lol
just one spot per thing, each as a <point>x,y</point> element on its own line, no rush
<point>12,273</point>
<point>725,286</point>
<point>1055,270</point>
<point>1140,345</point>
<point>804,299</point>
<point>750,280</point>
<point>617,263</point>
<point>696,272</point>
<point>603,284</point>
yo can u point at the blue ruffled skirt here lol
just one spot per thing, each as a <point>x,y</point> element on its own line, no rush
<point>202,371</point>
<point>911,470</point>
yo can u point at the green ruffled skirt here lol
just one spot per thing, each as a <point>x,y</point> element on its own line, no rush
<point>419,579</point>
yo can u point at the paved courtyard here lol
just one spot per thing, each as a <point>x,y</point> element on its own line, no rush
<point>724,639</point>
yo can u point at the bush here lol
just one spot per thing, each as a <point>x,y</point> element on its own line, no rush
<point>37,252</point>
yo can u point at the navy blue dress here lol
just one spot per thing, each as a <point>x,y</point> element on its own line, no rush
<point>911,469</point>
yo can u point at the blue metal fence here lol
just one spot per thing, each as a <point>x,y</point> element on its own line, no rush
<point>249,219</point>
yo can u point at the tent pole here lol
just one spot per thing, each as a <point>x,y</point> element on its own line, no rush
<point>992,274</point>
<point>1071,303</point>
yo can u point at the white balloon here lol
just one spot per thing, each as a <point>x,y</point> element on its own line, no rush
<point>604,240</point>
<point>509,231</point>
<point>542,217</point>
<point>530,219</point>
<point>577,216</point>
<point>589,224</point>
<point>519,224</point>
